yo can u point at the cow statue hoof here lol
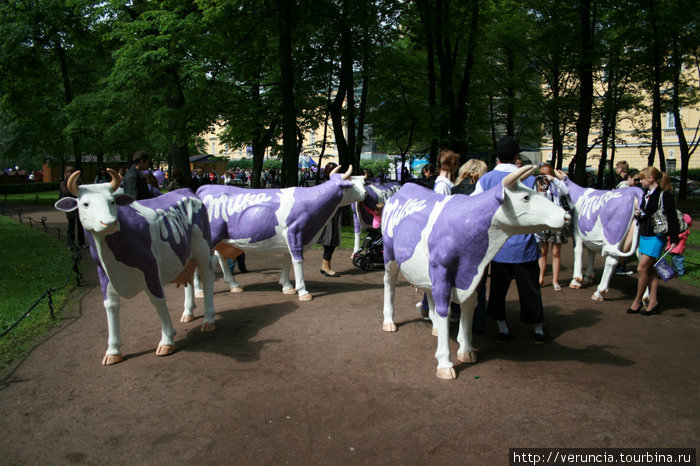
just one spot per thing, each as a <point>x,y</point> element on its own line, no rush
<point>207,327</point>
<point>186,318</point>
<point>575,285</point>
<point>164,350</point>
<point>305,297</point>
<point>597,297</point>
<point>238,289</point>
<point>289,291</point>
<point>469,357</point>
<point>199,294</point>
<point>111,359</point>
<point>389,327</point>
<point>447,373</point>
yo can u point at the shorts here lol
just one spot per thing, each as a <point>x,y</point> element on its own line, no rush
<point>651,245</point>
<point>552,236</point>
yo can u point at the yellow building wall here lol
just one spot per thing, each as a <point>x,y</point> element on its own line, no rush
<point>635,149</point>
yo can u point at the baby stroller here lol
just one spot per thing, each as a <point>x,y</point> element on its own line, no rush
<point>372,251</point>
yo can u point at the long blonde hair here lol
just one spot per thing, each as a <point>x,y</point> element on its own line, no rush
<point>662,178</point>
<point>472,170</point>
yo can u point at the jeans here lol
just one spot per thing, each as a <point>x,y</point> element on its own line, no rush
<point>678,265</point>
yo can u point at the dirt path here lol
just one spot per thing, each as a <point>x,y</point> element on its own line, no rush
<point>285,382</point>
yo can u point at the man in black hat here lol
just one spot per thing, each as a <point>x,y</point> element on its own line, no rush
<point>516,259</point>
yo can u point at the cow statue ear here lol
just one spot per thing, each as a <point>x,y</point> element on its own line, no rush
<point>123,199</point>
<point>66,204</point>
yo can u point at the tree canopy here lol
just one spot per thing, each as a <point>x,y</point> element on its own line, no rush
<point>110,77</point>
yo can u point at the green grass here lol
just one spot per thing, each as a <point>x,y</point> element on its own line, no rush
<point>42,198</point>
<point>692,271</point>
<point>32,262</point>
<point>347,238</point>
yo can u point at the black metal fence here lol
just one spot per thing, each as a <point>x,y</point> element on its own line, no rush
<point>49,292</point>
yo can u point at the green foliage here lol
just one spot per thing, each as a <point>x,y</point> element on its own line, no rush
<point>692,259</point>
<point>375,166</point>
<point>248,163</point>
<point>27,273</point>
<point>110,77</point>
<point>693,174</point>
<point>28,188</point>
<point>240,163</point>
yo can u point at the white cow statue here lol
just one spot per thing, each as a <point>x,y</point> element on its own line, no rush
<point>142,245</point>
<point>442,245</point>
<point>603,223</point>
<point>278,221</point>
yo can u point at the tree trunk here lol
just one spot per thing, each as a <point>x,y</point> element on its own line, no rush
<point>686,152</point>
<point>343,95</point>
<point>362,112</point>
<point>177,127</point>
<point>656,133</point>
<point>585,72</point>
<point>68,96</point>
<point>290,159</point>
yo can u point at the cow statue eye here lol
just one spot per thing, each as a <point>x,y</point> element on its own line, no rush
<point>526,198</point>
<point>86,204</point>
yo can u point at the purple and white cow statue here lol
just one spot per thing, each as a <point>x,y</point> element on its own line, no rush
<point>142,245</point>
<point>283,221</point>
<point>442,245</point>
<point>603,222</point>
<point>377,193</point>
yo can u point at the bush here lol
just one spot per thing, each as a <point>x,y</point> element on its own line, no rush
<point>240,163</point>
<point>376,166</point>
<point>27,188</point>
<point>693,173</point>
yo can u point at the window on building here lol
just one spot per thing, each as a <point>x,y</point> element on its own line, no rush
<point>213,145</point>
<point>670,121</point>
<point>671,165</point>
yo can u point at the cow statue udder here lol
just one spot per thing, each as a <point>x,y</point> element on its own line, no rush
<point>276,220</point>
<point>142,245</point>
<point>442,245</point>
<point>603,222</point>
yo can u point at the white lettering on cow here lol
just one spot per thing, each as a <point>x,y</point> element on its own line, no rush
<point>394,213</point>
<point>179,217</point>
<point>224,206</point>
<point>590,205</point>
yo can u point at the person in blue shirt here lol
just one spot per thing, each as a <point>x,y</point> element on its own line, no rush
<point>517,259</point>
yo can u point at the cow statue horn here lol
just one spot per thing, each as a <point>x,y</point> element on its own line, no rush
<point>519,174</point>
<point>334,171</point>
<point>72,183</point>
<point>347,174</point>
<point>116,179</point>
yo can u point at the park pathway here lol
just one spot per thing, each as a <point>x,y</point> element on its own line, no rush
<point>285,382</point>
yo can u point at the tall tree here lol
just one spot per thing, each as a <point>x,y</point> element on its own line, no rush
<point>50,55</point>
<point>161,63</point>
<point>586,59</point>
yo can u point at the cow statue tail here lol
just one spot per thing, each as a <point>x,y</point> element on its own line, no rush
<point>629,244</point>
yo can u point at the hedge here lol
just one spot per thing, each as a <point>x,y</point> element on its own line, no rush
<point>27,188</point>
